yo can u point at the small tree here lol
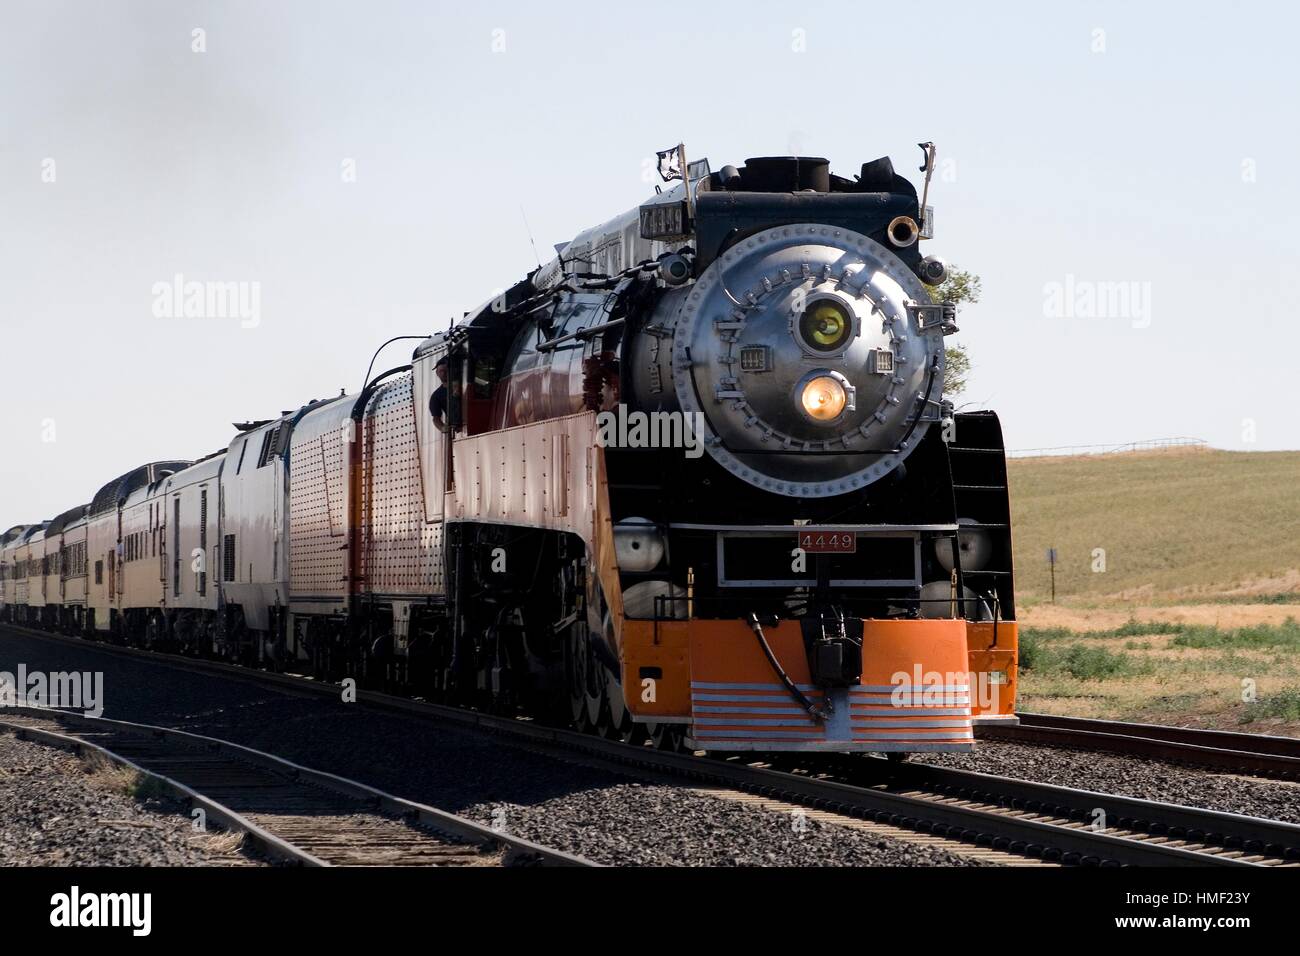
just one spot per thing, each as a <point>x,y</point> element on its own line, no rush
<point>958,287</point>
<point>956,366</point>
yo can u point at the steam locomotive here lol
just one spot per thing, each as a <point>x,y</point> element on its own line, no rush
<point>694,478</point>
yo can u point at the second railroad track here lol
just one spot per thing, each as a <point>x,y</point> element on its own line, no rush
<point>286,812</point>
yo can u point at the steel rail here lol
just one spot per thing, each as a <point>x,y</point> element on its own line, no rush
<point>1253,754</point>
<point>1218,831</point>
<point>937,813</point>
<point>198,763</point>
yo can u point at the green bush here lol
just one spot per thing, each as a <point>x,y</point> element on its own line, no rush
<point>1132,628</point>
<point>1284,704</point>
<point>1032,651</point>
<point>1286,634</point>
<point>1047,633</point>
<point>1093,663</point>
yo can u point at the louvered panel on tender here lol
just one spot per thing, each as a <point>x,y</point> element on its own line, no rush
<point>401,553</point>
<point>317,516</point>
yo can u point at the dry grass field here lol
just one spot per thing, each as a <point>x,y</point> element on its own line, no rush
<point>1191,619</point>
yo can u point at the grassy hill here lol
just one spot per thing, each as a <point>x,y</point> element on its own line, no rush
<point>1176,525</point>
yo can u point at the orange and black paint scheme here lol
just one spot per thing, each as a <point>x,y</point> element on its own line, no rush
<point>872,674</point>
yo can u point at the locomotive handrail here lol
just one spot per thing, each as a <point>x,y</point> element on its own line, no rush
<point>586,333</point>
<point>363,399</point>
<point>802,527</point>
<point>396,338</point>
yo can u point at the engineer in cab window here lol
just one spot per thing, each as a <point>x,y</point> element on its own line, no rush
<point>438,400</point>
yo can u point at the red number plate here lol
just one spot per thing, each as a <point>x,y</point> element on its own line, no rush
<point>828,542</point>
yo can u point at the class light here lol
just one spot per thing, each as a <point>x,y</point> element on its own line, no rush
<point>824,398</point>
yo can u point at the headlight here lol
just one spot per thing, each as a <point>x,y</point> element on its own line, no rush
<point>825,325</point>
<point>825,396</point>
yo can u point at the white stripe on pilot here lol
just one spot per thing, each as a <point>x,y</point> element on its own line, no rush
<point>713,685</point>
<point>752,722</point>
<point>870,724</point>
<point>755,735</point>
<point>745,698</point>
<point>937,700</point>
<point>858,711</point>
<point>795,711</point>
<point>867,734</point>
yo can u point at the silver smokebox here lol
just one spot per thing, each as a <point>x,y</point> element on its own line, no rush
<point>811,353</point>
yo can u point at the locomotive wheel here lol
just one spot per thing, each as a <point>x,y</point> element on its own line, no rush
<point>155,631</point>
<point>667,736</point>
<point>619,725</point>
<point>630,732</point>
<point>584,707</point>
<point>615,720</point>
<point>588,679</point>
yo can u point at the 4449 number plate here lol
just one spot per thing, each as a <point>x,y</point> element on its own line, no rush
<point>828,542</point>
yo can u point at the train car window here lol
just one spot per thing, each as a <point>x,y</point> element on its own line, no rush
<point>523,352</point>
<point>203,541</point>
<point>484,377</point>
<point>176,546</point>
<point>268,439</point>
<point>228,558</point>
<point>242,448</point>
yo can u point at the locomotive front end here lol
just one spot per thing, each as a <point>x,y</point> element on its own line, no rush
<point>809,357</point>
<point>721,418</point>
<point>842,580</point>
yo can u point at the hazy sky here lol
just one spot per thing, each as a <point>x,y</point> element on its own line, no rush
<point>365,165</point>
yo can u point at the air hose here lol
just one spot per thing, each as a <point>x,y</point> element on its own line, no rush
<point>815,712</point>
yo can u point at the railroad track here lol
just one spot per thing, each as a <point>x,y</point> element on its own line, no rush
<point>1252,754</point>
<point>1011,818</point>
<point>286,812</point>
<point>1225,837</point>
